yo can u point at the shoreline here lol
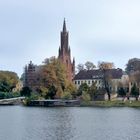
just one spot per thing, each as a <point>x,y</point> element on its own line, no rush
<point>72,103</point>
<point>68,103</point>
<point>111,104</point>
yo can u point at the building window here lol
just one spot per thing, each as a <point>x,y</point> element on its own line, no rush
<point>81,82</point>
<point>78,82</point>
<point>89,82</point>
<point>75,82</point>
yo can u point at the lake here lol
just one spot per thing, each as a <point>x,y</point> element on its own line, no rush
<point>69,123</point>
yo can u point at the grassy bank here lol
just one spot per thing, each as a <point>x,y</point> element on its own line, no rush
<point>111,104</point>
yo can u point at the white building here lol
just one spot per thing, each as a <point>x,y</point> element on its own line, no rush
<point>116,76</point>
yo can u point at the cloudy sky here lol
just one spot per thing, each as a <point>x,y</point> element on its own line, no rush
<point>100,30</point>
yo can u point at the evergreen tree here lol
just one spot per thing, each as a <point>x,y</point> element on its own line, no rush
<point>135,91</point>
<point>122,92</point>
<point>26,91</point>
<point>83,88</point>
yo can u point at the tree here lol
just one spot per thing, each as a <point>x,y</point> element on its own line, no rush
<point>89,65</point>
<point>92,90</point>
<point>80,67</point>
<point>49,60</point>
<point>135,91</point>
<point>53,78</point>
<point>51,92</point>
<point>107,78</point>
<point>67,96</point>
<point>133,65</point>
<point>8,81</point>
<point>135,78</point>
<point>122,92</point>
<point>83,88</point>
<point>26,91</point>
<point>106,65</point>
<point>86,97</point>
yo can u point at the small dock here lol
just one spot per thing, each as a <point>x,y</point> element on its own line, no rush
<point>54,103</point>
<point>12,101</point>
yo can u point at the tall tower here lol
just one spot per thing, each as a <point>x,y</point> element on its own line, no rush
<point>65,53</point>
<point>29,75</point>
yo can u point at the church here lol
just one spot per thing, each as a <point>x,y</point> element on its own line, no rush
<point>64,55</point>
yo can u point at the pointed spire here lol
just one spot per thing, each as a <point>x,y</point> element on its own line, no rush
<point>64,26</point>
<point>74,60</point>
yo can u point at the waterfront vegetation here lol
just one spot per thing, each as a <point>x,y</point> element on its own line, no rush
<point>115,103</point>
<point>7,95</point>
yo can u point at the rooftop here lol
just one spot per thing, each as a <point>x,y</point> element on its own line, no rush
<point>98,74</point>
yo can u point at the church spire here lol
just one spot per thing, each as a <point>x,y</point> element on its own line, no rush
<point>64,26</point>
<point>65,53</point>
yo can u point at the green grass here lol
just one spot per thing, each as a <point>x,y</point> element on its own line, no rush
<point>112,104</point>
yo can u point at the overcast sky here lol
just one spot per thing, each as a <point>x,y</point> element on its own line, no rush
<point>99,30</point>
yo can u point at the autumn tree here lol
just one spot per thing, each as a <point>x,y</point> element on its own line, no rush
<point>53,79</point>
<point>106,65</point>
<point>8,81</point>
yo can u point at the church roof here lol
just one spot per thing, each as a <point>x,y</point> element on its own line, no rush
<point>98,74</point>
<point>64,26</point>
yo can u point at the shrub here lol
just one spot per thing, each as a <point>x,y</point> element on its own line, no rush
<point>66,96</point>
<point>86,97</point>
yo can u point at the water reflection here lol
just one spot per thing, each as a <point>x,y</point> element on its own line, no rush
<point>31,123</point>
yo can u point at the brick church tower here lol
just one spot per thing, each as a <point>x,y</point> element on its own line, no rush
<point>65,53</point>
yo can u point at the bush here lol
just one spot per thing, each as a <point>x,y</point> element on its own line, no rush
<point>16,94</point>
<point>86,97</point>
<point>34,96</point>
<point>66,96</point>
<point>8,95</point>
<point>26,91</point>
<point>2,95</point>
<point>83,88</point>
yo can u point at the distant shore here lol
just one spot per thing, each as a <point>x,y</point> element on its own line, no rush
<point>70,103</point>
<point>75,103</point>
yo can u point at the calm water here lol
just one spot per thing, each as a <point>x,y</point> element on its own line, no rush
<point>32,123</point>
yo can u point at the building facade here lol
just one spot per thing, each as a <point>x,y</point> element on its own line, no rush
<point>29,75</point>
<point>114,76</point>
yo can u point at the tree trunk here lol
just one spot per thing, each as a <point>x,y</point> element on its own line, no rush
<point>109,96</point>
